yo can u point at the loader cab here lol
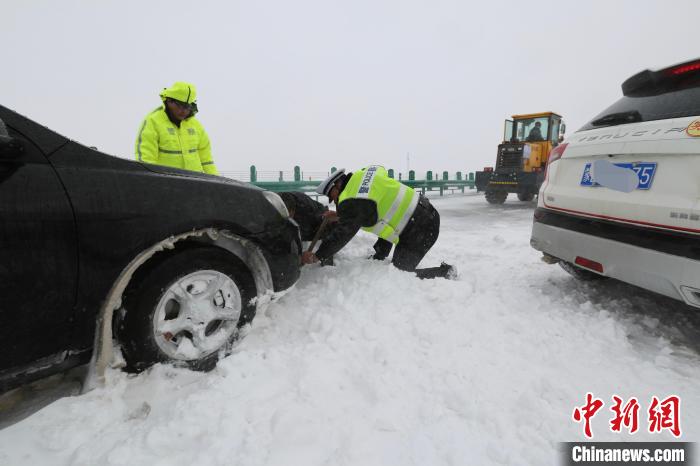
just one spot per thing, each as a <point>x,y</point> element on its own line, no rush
<point>537,134</point>
<point>537,127</point>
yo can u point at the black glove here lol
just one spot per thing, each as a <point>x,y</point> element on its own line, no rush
<point>382,249</point>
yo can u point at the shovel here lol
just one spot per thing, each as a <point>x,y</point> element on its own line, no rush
<point>317,236</point>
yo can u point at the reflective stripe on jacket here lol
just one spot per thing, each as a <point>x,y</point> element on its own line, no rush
<point>395,201</point>
<point>161,142</point>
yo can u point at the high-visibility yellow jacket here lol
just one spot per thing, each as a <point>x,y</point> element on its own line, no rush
<point>395,201</point>
<point>161,142</point>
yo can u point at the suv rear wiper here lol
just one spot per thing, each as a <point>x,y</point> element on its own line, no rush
<point>621,118</point>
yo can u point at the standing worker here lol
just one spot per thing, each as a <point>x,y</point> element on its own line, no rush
<point>171,136</point>
<point>370,200</point>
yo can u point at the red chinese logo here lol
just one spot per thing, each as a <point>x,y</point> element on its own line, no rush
<point>586,412</point>
<point>627,416</point>
<point>663,414</point>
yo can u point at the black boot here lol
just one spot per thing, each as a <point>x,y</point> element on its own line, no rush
<point>444,271</point>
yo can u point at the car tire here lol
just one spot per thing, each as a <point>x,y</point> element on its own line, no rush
<point>496,197</point>
<point>526,197</point>
<point>187,310</point>
<point>579,273</point>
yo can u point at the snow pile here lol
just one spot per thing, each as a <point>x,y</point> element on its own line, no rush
<point>363,364</point>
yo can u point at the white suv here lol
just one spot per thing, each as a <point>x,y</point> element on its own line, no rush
<point>621,197</point>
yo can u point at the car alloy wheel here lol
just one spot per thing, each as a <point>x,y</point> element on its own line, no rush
<point>197,314</point>
<point>186,309</point>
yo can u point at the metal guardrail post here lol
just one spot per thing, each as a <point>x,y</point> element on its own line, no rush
<point>432,181</point>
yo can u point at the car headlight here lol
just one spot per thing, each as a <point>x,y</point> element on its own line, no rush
<point>277,203</point>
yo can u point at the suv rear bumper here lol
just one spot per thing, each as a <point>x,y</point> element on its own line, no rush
<point>671,275</point>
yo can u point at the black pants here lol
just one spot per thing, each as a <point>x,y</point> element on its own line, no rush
<point>415,240</point>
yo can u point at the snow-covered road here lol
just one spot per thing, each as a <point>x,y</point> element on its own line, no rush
<point>365,365</point>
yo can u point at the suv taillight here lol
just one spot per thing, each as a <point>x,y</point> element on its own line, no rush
<point>554,155</point>
<point>557,152</point>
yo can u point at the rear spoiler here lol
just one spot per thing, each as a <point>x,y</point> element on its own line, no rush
<point>676,77</point>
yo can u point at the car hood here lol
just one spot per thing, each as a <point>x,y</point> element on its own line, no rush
<point>163,170</point>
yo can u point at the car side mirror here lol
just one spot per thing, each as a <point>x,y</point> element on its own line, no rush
<point>10,148</point>
<point>563,128</point>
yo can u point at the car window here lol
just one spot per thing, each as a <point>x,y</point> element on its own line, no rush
<point>678,104</point>
<point>3,129</point>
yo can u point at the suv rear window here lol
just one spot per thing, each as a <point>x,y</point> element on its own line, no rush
<point>677,104</point>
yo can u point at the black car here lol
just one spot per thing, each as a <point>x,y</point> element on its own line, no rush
<point>95,249</point>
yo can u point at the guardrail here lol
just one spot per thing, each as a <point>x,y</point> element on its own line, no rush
<point>304,181</point>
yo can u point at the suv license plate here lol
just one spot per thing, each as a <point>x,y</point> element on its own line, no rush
<point>645,171</point>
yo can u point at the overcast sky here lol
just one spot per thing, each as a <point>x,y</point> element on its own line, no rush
<point>333,83</point>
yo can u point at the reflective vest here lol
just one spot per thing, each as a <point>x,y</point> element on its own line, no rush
<point>161,142</point>
<point>395,201</point>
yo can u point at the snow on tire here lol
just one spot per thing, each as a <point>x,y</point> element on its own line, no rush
<point>186,310</point>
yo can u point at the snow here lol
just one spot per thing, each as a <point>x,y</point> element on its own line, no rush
<point>363,364</point>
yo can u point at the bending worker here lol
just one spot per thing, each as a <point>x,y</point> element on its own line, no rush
<point>370,200</point>
<point>309,216</point>
<point>171,136</point>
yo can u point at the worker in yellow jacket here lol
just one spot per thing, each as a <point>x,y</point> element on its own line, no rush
<point>171,136</point>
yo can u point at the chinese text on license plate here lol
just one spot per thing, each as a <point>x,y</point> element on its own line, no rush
<point>645,171</point>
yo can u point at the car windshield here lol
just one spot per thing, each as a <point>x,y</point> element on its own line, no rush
<point>532,129</point>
